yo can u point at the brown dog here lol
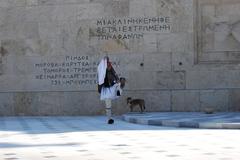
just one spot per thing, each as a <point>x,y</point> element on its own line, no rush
<point>136,102</point>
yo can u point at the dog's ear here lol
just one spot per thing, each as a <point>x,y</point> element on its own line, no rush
<point>128,99</point>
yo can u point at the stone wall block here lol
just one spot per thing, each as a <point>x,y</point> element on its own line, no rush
<point>170,80</point>
<point>6,104</point>
<point>216,99</point>
<point>185,101</point>
<point>182,61</point>
<point>82,103</point>
<point>234,100</point>
<point>175,42</point>
<point>117,8</point>
<point>212,79</point>
<point>141,8</point>
<point>157,62</point>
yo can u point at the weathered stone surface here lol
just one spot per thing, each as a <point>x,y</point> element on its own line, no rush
<point>216,99</point>
<point>14,3</point>
<point>213,79</point>
<point>182,13</point>
<point>75,103</point>
<point>141,8</point>
<point>6,104</point>
<point>156,80</point>
<point>117,8</point>
<point>51,103</point>
<point>157,62</point>
<point>175,42</point>
<point>182,61</point>
<point>24,103</point>
<point>218,30</point>
<point>234,100</point>
<point>186,100</point>
<point>170,80</point>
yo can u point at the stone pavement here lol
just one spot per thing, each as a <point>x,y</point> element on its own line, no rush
<point>90,138</point>
<point>221,120</point>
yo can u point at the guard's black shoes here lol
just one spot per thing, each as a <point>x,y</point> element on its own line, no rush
<point>110,121</point>
<point>118,93</point>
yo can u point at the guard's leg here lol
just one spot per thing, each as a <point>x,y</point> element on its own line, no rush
<point>109,111</point>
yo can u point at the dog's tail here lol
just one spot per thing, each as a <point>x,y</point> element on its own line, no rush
<point>144,106</point>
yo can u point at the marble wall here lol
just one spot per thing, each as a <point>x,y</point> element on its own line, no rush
<point>179,55</point>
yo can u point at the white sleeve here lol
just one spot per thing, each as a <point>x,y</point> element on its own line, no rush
<point>102,71</point>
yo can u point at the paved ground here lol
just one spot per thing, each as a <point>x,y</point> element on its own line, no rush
<point>220,120</point>
<point>90,138</point>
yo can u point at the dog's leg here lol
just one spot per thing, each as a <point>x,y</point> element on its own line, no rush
<point>131,108</point>
<point>141,107</point>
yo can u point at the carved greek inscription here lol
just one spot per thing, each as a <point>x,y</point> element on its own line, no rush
<point>72,71</point>
<point>130,28</point>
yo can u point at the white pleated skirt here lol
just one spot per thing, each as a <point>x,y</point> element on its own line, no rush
<point>110,92</point>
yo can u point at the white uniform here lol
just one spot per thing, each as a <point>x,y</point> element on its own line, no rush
<point>110,92</point>
<point>107,93</point>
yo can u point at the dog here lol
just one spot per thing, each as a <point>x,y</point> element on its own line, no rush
<point>136,102</point>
